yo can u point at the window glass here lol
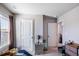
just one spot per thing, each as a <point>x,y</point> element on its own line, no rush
<point>4,30</point>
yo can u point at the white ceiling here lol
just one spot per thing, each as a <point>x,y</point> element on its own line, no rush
<point>50,9</point>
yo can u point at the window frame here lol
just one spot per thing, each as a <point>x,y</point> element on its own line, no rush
<point>5,30</point>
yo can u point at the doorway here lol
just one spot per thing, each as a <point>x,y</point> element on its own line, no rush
<point>52,34</point>
<point>52,38</point>
<point>48,24</point>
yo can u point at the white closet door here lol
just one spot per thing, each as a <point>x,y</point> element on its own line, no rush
<point>27,36</point>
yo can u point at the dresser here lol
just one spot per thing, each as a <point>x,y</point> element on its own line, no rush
<point>72,49</point>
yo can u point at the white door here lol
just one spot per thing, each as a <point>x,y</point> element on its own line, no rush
<point>52,34</point>
<point>27,36</point>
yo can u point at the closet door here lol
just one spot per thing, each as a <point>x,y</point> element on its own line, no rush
<point>27,39</point>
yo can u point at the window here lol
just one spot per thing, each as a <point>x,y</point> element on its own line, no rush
<point>4,30</point>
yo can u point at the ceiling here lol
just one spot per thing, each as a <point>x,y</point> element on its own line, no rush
<point>50,9</point>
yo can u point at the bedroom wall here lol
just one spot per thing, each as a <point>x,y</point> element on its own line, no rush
<point>38,26</point>
<point>6,13</point>
<point>70,22</point>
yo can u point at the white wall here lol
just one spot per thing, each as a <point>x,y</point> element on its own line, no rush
<point>38,28</point>
<point>6,13</point>
<point>70,25</point>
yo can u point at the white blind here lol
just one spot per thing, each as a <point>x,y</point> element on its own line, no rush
<point>4,30</point>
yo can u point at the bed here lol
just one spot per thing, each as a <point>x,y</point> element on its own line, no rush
<point>23,53</point>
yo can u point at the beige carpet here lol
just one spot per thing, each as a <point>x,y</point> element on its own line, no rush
<point>51,52</point>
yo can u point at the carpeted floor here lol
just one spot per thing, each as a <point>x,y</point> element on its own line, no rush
<point>51,52</point>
